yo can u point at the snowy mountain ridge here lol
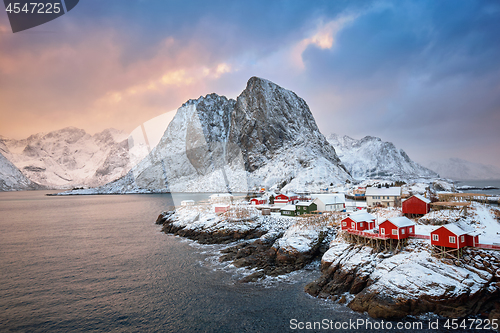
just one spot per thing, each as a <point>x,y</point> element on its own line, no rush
<point>11,179</point>
<point>266,137</point>
<point>69,157</point>
<point>370,157</point>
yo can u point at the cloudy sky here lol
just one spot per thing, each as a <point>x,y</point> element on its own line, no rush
<point>422,74</point>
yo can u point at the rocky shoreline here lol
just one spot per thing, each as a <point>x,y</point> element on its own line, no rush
<point>383,284</point>
<point>375,285</point>
<point>266,249</point>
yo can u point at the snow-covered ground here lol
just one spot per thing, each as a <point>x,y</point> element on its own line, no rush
<point>290,234</point>
<point>479,217</point>
<point>412,273</point>
<point>484,221</point>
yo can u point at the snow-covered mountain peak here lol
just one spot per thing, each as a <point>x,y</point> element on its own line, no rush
<point>370,157</point>
<point>267,137</point>
<point>70,157</point>
<point>110,136</point>
<point>208,99</point>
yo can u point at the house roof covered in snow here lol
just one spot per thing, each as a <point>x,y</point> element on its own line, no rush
<point>361,216</point>
<point>459,230</point>
<point>424,199</point>
<point>384,191</point>
<point>330,199</point>
<point>304,203</point>
<point>401,221</point>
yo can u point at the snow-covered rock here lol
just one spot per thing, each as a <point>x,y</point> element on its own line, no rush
<point>11,179</point>
<point>70,157</point>
<point>411,282</point>
<point>274,244</point>
<point>371,157</point>
<point>267,137</point>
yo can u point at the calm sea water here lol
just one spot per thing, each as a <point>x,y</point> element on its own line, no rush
<point>482,184</point>
<point>99,264</point>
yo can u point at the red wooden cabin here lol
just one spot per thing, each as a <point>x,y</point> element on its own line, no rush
<point>258,201</point>
<point>397,228</point>
<point>358,221</point>
<point>453,236</point>
<point>285,199</point>
<point>281,199</point>
<point>416,205</point>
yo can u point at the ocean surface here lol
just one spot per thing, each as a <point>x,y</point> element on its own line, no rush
<point>481,184</point>
<point>100,264</point>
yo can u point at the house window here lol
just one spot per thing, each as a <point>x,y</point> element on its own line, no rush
<point>344,224</point>
<point>353,225</point>
<point>382,231</point>
<point>452,239</point>
<point>394,231</point>
<point>403,231</point>
<point>411,230</point>
<point>361,224</point>
<point>462,239</point>
<point>435,237</point>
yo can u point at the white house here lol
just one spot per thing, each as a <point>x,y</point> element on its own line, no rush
<point>329,202</point>
<point>385,196</point>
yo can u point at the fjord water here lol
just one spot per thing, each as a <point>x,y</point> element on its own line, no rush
<point>482,184</point>
<point>99,263</point>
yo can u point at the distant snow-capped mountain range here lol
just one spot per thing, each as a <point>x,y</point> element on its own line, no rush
<point>69,157</point>
<point>266,137</point>
<point>371,157</point>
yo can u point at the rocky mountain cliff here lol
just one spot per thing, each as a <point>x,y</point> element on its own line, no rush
<point>11,179</point>
<point>459,169</point>
<point>70,157</point>
<point>371,157</point>
<point>266,137</point>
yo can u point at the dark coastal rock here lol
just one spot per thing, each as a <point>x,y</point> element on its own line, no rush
<point>216,237</point>
<point>254,277</point>
<point>204,236</point>
<point>338,278</point>
<point>262,255</point>
<point>390,306</point>
<point>258,252</point>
